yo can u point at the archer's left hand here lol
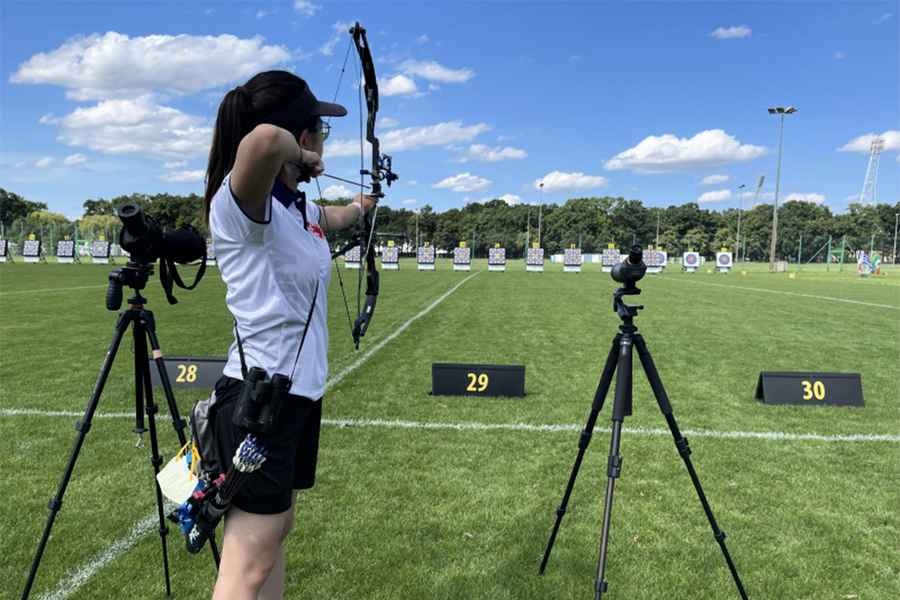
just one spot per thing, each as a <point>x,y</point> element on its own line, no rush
<point>366,201</point>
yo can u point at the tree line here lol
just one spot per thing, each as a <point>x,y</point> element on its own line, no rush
<point>589,223</point>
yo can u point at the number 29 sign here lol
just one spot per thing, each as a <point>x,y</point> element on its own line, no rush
<point>477,380</point>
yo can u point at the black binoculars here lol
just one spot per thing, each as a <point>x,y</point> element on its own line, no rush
<point>260,402</point>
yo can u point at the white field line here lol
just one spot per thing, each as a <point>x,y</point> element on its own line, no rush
<point>74,580</point>
<point>772,436</point>
<point>62,289</point>
<point>786,293</point>
<point>337,378</point>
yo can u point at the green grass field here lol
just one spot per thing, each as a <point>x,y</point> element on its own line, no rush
<point>410,504</point>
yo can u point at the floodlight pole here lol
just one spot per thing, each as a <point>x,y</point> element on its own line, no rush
<point>657,229</point>
<point>540,210</point>
<point>737,240</point>
<point>780,111</point>
<point>894,253</point>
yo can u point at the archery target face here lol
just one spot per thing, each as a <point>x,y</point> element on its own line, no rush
<point>496,256</point>
<point>100,249</point>
<point>425,255</point>
<point>610,257</point>
<point>572,257</point>
<point>353,255</point>
<point>4,247</point>
<point>535,256</point>
<point>462,256</point>
<point>65,248</point>
<point>390,254</point>
<point>691,259</point>
<point>31,248</point>
<point>723,259</point>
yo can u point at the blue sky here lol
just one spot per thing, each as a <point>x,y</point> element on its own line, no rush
<point>481,100</point>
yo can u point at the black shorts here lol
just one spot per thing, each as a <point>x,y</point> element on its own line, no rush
<point>292,449</point>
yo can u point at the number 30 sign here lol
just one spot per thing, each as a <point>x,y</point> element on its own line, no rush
<point>810,389</point>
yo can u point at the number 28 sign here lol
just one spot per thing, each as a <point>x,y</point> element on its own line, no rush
<point>477,380</point>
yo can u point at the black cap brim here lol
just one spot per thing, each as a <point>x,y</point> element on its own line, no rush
<point>329,109</point>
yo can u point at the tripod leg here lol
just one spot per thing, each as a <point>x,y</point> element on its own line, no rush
<point>145,392</point>
<point>662,399</point>
<point>621,408</point>
<point>177,422</point>
<point>82,426</point>
<point>583,441</point>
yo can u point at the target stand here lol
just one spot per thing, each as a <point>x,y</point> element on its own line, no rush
<point>33,251</point>
<point>690,261</point>
<point>65,252</point>
<point>497,259</point>
<point>425,258</point>
<point>5,254</point>
<point>462,258</point>
<point>572,260</point>
<point>723,262</point>
<point>390,257</point>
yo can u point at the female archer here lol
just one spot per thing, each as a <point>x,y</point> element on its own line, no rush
<point>276,263</point>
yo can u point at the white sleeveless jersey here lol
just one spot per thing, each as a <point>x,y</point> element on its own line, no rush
<point>271,268</point>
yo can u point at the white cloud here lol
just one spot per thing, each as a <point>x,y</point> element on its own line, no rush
<point>423,39</point>
<point>261,14</point>
<point>863,143</point>
<point>47,119</point>
<point>410,138</point>
<point>440,134</point>
<point>433,71</point>
<point>483,153</point>
<point>74,160</point>
<point>731,33</point>
<point>184,176</point>
<point>714,179</point>
<point>43,163</point>
<point>464,182</point>
<point>174,164</point>
<point>883,18</point>
<point>557,181</point>
<point>713,197</point>
<point>333,192</point>
<point>808,197</point>
<point>340,29</point>
<point>114,65</point>
<point>659,154</point>
<point>398,85</point>
<point>306,8</point>
<point>410,201</point>
<point>387,123</point>
<point>136,127</point>
<point>511,199</point>
<point>839,55</point>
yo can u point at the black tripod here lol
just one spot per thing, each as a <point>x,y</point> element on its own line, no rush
<point>619,360</point>
<point>135,276</point>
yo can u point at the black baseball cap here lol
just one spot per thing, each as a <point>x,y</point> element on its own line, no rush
<point>304,105</point>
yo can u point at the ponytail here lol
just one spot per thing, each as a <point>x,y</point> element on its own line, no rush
<point>232,124</point>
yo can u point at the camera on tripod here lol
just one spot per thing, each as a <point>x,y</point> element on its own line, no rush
<point>260,401</point>
<point>632,269</point>
<point>146,242</point>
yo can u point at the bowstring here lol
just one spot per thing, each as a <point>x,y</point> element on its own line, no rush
<point>337,269</point>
